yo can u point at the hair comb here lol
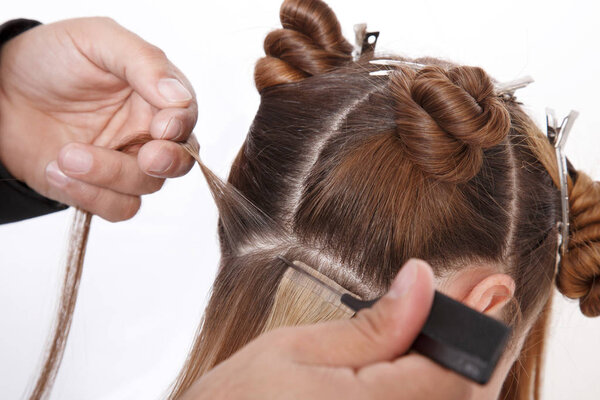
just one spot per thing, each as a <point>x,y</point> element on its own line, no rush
<point>454,335</point>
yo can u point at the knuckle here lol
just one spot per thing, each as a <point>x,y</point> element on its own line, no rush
<point>152,52</point>
<point>185,165</point>
<point>188,118</point>
<point>131,208</point>
<point>102,20</point>
<point>147,55</point>
<point>88,196</point>
<point>114,172</point>
<point>191,116</point>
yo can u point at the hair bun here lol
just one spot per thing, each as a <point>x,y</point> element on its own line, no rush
<point>579,275</point>
<point>447,117</point>
<point>310,43</point>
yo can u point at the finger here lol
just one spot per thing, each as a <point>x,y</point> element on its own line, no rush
<point>174,123</point>
<point>105,203</point>
<point>144,66</point>
<point>165,159</point>
<point>377,334</point>
<point>109,169</point>
<point>413,377</point>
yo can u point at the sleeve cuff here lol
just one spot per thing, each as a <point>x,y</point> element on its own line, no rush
<point>18,201</point>
<point>15,27</point>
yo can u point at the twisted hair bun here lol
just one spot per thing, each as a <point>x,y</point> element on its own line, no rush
<point>310,43</point>
<point>445,118</point>
<point>579,275</point>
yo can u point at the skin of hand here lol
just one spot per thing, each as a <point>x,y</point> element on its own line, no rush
<point>71,92</point>
<point>360,358</point>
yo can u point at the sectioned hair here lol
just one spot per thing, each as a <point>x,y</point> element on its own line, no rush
<point>354,174</point>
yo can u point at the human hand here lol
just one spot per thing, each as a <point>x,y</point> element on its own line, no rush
<point>361,358</point>
<point>70,92</point>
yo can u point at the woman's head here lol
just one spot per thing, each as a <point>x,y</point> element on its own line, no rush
<point>353,174</point>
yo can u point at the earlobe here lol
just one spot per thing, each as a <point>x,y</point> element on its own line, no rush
<point>491,294</point>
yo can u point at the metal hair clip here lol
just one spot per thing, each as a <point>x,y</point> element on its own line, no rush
<point>364,41</point>
<point>505,90</point>
<point>394,63</point>
<point>557,135</point>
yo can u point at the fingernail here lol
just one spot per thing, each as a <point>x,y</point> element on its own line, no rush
<point>173,91</point>
<point>405,279</point>
<point>76,161</point>
<point>55,176</point>
<point>161,162</point>
<point>172,129</point>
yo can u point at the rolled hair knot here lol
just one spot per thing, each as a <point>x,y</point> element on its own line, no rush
<point>310,43</point>
<point>579,275</point>
<point>445,118</point>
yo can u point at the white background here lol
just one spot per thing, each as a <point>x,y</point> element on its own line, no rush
<point>146,280</point>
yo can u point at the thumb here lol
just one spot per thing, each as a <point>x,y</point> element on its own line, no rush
<point>380,333</point>
<point>142,65</point>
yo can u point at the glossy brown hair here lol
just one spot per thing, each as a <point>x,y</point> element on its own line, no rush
<point>353,174</point>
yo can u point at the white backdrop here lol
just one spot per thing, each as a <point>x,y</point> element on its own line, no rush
<point>146,280</point>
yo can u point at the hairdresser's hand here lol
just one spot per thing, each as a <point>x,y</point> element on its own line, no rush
<point>71,91</point>
<point>362,358</point>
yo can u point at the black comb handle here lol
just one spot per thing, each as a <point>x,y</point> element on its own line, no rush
<point>456,337</point>
<point>357,304</point>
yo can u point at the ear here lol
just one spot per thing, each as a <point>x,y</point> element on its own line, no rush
<point>491,294</point>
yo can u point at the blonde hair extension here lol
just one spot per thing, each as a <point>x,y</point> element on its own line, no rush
<point>299,301</point>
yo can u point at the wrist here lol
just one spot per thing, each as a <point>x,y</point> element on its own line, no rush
<point>8,31</point>
<point>17,200</point>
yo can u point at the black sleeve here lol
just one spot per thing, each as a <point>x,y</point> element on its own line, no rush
<point>17,200</point>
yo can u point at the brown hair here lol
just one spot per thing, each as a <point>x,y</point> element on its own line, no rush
<point>57,342</point>
<point>353,174</point>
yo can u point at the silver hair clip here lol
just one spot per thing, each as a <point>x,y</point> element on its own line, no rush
<point>365,42</point>
<point>506,90</point>
<point>557,135</point>
<point>394,63</point>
